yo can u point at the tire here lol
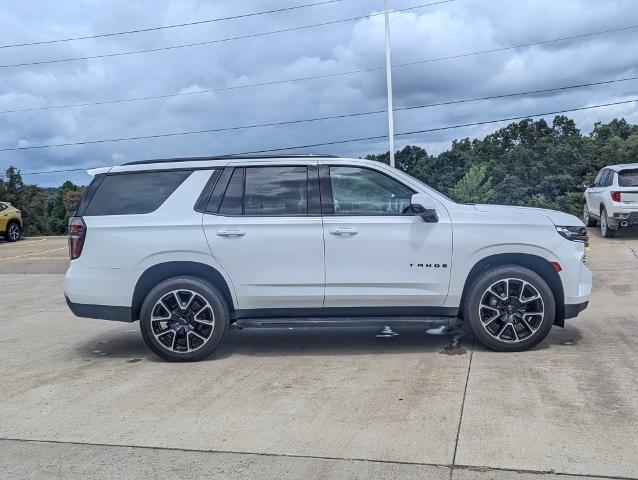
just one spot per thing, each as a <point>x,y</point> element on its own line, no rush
<point>187,331</point>
<point>13,232</point>
<point>523,326</point>
<point>587,220</point>
<point>605,229</point>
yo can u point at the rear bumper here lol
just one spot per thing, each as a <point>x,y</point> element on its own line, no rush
<point>572,310</point>
<point>102,312</point>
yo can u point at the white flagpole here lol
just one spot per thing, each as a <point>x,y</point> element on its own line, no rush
<point>388,74</point>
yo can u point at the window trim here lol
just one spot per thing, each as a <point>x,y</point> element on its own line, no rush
<point>313,195</point>
<point>327,198</point>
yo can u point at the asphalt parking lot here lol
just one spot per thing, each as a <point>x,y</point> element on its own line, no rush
<point>85,399</point>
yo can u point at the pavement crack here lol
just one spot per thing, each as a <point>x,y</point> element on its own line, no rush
<point>458,430</point>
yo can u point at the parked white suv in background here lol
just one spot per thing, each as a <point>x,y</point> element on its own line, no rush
<point>612,199</point>
<point>189,246</point>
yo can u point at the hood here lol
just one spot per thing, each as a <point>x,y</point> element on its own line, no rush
<point>557,218</point>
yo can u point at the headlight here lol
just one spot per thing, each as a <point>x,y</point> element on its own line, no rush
<point>575,234</point>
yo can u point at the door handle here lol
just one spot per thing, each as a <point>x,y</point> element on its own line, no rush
<point>231,233</point>
<point>343,231</point>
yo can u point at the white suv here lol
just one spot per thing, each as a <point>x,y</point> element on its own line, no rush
<point>190,246</point>
<point>612,199</point>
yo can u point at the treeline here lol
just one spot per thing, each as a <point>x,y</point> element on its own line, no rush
<point>45,211</point>
<point>529,163</point>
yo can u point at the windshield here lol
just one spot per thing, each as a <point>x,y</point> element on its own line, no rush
<point>628,178</point>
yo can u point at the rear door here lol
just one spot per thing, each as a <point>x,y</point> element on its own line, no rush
<point>263,225</point>
<point>378,254</point>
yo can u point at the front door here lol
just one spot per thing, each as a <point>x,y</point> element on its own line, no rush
<point>263,225</point>
<point>378,254</point>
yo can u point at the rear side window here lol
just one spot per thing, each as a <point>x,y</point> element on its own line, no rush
<point>276,191</point>
<point>265,191</point>
<point>628,178</point>
<point>134,193</point>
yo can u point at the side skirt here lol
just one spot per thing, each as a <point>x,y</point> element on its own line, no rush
<point>351,322</point>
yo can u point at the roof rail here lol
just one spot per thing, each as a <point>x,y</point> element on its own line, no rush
<point>226,157</point>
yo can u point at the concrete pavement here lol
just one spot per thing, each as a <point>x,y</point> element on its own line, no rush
<point>314,403</point>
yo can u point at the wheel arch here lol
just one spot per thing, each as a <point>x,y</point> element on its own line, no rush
<point>539,265</point>
<point>163,271</point>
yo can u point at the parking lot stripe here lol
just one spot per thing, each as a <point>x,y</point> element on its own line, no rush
<point>32,254</point>
<point>23,242</point>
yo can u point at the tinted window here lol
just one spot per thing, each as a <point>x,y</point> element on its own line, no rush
<point>598,178</point>
<point>609,179</point>
<point>276,191</point>
<point>628,178</point>
<point>232,201</point>
<point>361,191</point>
<point>134,193</point>
<point>2,206</point>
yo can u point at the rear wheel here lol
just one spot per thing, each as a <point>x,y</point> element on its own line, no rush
<point>587,219</point>
<point>605,229</point>
<point>184,319</point>
<point>13,232</point>
<point>510,308</point>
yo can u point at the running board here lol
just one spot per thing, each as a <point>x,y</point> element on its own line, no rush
<point>428,322</point>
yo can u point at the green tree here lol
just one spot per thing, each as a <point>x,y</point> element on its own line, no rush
<point>474,187</point>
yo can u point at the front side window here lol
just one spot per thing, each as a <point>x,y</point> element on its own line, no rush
<point>134,193</point>
<point>628,178</point>
<point>362,191</point>
<point>597,180</point>
<point>2,206</point>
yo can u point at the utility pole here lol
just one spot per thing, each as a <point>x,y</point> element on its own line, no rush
<point>388,76</point>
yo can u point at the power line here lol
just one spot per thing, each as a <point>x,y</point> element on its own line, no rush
<point>521,45</point>
<point>175,25</point>
<point>378,137</point>
<point>221,40</point>
<point>315,77</point>
<point>315,119</point>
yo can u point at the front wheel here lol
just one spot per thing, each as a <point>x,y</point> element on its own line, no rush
<point>184,319</point>
<point>510,308</point>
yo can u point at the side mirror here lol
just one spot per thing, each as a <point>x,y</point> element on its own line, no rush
<point>423,206</point>
<point>586,185</point>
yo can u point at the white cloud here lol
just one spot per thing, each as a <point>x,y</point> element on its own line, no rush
<point>426,33</point>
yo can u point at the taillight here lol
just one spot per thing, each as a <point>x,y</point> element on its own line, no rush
<point>615,196</point>
<point>77,234</point>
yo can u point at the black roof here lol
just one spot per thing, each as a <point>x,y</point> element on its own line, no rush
<point>226,157</point>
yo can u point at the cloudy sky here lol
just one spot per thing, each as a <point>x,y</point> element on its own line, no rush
<point>417,34</point>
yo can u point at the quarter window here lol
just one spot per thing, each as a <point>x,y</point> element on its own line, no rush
<point>362,191</point>
<point>134,193</point>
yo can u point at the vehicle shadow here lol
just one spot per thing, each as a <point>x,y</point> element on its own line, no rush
<point>273,342</point>
<point>629,232</point>
<point>279,342</point>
